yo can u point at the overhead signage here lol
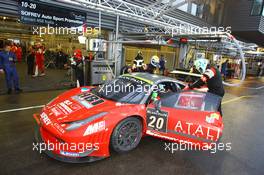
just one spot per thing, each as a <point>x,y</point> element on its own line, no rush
<point>37,13</point>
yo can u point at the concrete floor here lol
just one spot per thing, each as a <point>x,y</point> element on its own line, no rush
<point>55,79</point>
<point>243,119</point>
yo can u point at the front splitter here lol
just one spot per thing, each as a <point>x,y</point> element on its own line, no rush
<point>86,159</point>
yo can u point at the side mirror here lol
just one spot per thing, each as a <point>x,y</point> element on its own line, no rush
<point>157,105</point>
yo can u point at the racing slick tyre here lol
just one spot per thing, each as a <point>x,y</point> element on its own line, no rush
<point>126,135</point>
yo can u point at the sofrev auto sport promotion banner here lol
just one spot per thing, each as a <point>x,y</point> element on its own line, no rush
<point>39,13</point>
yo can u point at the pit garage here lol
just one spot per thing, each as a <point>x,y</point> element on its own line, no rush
<point>149,98</point>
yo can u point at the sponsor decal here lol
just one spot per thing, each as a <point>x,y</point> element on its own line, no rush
<point>69,154</point>
<point>66,107</point>
<point>86,104</point>
<point>94,128</point>
<point>192,129</point>
<point>47,121</point>
<point>55,111</point>
<point>212,118</point>
<point>88,99</point>
<point>45,118</point>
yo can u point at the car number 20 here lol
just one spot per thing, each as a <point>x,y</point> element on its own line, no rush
<point>157,120</point>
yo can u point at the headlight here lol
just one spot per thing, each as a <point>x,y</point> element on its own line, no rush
<point>77,124</point>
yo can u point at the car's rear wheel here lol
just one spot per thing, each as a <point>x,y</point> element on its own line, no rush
<point>126,135</point>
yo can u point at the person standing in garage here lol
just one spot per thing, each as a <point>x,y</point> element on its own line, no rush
<point>211,76</point>
<point>224,69</point>
<point>162,64</point>
<point>31,61</point>
<point>8,67</point>
<point>138,63</point>
<point>19,53</point>
<point>77,65</point>
<point>40,67</point>
<point>261,69</point>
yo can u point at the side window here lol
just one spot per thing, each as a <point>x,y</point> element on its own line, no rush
<point>167,87</point>
<point>198,101</point>
<point>170,100</point>
<point>191,101</point>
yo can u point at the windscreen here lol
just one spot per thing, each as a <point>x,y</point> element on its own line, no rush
<point>123,89</point>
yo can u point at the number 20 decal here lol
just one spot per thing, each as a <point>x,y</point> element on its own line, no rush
<point>157,120</point>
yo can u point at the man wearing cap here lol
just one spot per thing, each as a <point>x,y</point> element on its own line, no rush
<point>211,76</point>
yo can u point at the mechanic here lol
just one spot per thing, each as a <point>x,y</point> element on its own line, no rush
<point>154,65</point>
<point>162,64</point>
<point>138,63</point>
<point>210,76</point>
<point>8,66</point>
<point>77,65</point>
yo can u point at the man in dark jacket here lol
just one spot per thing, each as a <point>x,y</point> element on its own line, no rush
<point>211,76</point>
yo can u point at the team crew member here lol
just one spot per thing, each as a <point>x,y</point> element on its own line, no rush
<point>40,67</point>
<point>7,66</point>
<point>210,76</point>
<point>19,53</point>
<point>31,61</point>
<point>77,65</point>
<point>138,63</point>
<point>162,64</point>
<point>154,65</point>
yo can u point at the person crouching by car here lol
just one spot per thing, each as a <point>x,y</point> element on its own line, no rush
<point>210,76</point>
<point>77,65</point>
<point>8,67</point>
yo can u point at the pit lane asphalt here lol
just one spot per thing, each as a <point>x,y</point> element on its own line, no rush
<point>243,119</point>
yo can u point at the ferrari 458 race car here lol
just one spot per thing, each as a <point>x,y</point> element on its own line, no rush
<point>82,124</point>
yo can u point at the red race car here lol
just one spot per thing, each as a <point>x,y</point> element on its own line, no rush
<point>81,125</point>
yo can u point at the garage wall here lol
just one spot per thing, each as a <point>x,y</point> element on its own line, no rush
<point>170,54</point>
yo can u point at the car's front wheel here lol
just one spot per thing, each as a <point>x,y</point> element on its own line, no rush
<point>126,135</point>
